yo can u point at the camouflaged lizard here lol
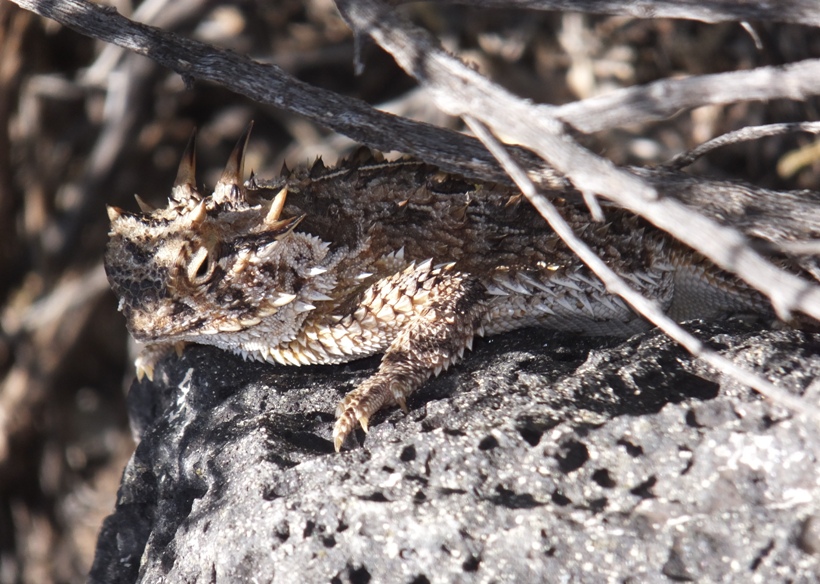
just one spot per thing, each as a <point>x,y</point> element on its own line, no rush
<point>325,266</point>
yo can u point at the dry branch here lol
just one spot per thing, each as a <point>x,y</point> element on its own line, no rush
<point>662,99</point>
<point>649,309</point>
<point>795,11</point>
<point>459,90</point>
<point>449,150</point>
<point>269,84</point>
<point>744,134</point>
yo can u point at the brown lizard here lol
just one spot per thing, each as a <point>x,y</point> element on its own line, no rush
<point>326,266</point>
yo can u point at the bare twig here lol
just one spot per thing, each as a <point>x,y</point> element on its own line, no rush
<point>743,135</point>
<point>269,84</point>
<point>166,14</point>
<point>461,91</point>
<point>615,284</point>
<point>807,248</point>
<point>449,150</point>
<point>796,11</point>
<point>662,99</point>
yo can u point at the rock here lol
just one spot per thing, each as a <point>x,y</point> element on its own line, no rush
<point>542,457</point>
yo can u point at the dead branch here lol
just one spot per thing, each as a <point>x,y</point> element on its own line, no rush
<point>748,133</point>
<point>662,99</point>
<point>444,148</point>
<point>617,285</point>
<point>796,11</point>
<point>460,90</point>
<point>271,85</point>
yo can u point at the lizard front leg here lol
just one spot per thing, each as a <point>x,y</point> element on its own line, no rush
<point>434,338</point>
<point>152,354</point>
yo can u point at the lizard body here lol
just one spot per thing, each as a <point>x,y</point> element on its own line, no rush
<point>325,266</point>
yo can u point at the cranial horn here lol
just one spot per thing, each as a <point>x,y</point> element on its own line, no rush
<point>230,186</point>
<point>197,215</point>
<point>286,226</point>
<point>276,207</point>
<point>316,168</point>
<point>185,183</point>
<point>145,207</point>
<point>114,213</point>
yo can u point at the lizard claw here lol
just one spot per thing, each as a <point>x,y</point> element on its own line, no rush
<point>348,416</point>
<point>144,369</point>
<point>357,407</point>
<point>338,441</point>
<point>150,355</point>
<point>342,428</point>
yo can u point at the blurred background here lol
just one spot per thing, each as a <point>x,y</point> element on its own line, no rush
<point>83,124</point>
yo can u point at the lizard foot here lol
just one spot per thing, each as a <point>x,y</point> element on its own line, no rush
<point>361,403</point>
<point>150,355</point>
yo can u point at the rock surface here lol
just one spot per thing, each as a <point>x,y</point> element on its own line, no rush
<point>541,458</point>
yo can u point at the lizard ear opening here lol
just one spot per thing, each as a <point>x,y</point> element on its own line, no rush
<point>231,186</point>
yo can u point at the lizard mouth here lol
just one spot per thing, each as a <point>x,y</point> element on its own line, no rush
<point>155,321</point>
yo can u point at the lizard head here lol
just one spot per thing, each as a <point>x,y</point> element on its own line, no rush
<point>217,269</point>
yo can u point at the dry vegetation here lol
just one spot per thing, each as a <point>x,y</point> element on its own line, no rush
<point>88,124</point>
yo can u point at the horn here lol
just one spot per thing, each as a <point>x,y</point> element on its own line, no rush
<point>317,168</point>
<point>276,207</point>
<point>185,183</point>
<point>230,185</point>
<point>114,213</point>
<point>198,214</point>
<point>286,226</point>
<point>145,207</point>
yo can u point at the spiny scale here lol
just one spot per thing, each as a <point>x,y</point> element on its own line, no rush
<point>328,265</point>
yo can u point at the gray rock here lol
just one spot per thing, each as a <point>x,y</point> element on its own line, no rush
<point>541,458</point>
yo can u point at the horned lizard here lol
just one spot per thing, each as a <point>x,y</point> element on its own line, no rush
<point>328,265</point>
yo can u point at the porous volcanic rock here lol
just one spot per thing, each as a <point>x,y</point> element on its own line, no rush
<point>541,458</point>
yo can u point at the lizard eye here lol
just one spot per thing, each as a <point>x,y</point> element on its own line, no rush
<point>201,267</point>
